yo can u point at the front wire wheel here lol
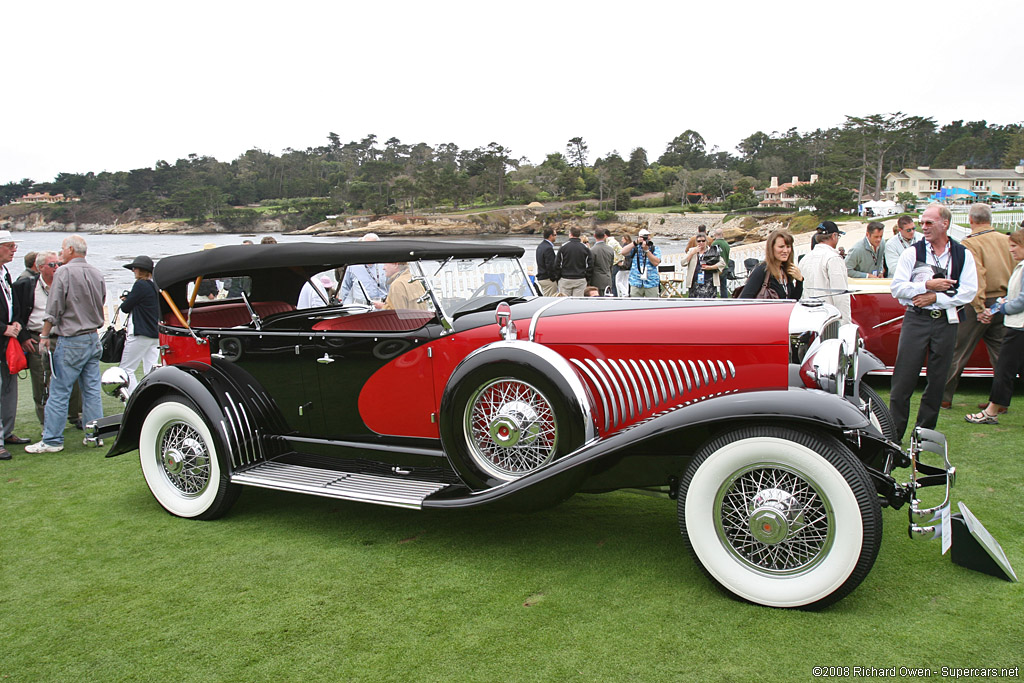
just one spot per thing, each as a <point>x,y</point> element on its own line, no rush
<point>510,428</point>
<point>181,463</point>
<point>780,517</point>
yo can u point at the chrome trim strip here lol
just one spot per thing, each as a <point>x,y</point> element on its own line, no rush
<point>597,385</point>
<point>679,380</point>
<point>714,372</point>
<point>646,391</point>
<point>732,369</point>
<point>704,371</point>
<point>696,376</point>
<point>625,385</point>
<point>227,440</point>
<point>609,385</point>
<point>661,380</point>
<point>608,368</point>
<point>653,384</point>
<point>244,442</point>
<point>343,443</point>
<point>668,376</point>
<point>541,311</point>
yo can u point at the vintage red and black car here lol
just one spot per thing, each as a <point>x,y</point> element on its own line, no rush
<point>750,414</point>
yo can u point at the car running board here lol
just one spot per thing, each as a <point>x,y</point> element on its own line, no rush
<point>367,488</point>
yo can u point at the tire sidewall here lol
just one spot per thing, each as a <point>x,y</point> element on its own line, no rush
<point>170,498</point>
<point>821,583</point>
<point>880,417</point>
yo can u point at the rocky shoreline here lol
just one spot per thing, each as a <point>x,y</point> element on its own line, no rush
<point>506,222</point>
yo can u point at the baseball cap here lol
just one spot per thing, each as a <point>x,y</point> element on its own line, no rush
<point>644,232</point>
<point>829,228</point>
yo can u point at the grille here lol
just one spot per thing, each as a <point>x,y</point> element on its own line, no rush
<point>629,388</point>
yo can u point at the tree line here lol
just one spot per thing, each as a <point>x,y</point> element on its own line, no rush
<point>391,176</point>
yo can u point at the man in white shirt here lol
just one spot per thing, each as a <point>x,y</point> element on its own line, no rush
<point>904,236</point>
<point>933,279</point>
<point>825,271</point>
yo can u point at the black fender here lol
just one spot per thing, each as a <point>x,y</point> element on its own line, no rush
<point>816,409</point>
<point>868,362</point>
<point>238,411</point>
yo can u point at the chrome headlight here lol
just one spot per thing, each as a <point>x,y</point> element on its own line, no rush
<point>832,365</point>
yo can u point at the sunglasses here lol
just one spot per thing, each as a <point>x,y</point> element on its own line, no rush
<point>53,264</point>
<point>701,241</point>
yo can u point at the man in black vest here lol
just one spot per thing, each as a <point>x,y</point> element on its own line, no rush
<point>933,279</point>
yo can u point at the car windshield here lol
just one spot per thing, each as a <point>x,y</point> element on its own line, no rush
<point>457,282</point>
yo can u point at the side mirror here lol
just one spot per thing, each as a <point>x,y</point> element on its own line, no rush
<point>503,316</point>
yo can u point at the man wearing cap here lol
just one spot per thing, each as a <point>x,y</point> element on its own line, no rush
<point>825,270</point>
<point>644,279</point>
<point>10,327</point>
<point>142,304</point>
<point>933,279</point>
<point>74,314</point>
<point>32,294</point>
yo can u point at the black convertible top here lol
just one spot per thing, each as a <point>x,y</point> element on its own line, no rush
<point>313,257</point>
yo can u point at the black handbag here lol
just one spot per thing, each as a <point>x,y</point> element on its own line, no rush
<point>112,340</point>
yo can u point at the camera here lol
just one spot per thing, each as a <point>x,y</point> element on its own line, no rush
<point>639,240</point>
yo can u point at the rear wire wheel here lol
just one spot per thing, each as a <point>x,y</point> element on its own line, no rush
<point>780,517</point>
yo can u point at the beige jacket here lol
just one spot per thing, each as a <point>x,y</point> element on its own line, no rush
<point>991,250</point>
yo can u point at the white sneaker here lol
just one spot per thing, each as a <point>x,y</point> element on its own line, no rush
<point>92,443</point>
<point>43,447</point>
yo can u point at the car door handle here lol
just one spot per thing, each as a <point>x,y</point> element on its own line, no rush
<point>326,360</point>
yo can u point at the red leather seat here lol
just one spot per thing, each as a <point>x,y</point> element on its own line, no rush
<point>229,315</point>
<point>402,320</point>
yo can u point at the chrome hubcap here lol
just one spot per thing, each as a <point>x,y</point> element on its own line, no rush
<point>515,424</point>
<point>774,519</point>
<point>510,428</point>
<point>184,458</point>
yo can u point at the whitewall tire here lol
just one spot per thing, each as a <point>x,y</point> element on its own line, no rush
<point>181,463</point>
<point>780,517</point>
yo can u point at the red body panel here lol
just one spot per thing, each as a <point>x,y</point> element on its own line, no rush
<point>633,363</point>
<point>182,348</point>
<point>399,399</point>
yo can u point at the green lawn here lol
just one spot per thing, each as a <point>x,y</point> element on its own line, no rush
<point>97,583</point>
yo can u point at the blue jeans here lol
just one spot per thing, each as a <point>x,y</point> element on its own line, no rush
<point>74,359</point>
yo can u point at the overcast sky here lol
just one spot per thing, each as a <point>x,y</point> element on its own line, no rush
<point>94,86</point>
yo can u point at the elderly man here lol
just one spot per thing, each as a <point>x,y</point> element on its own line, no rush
<point>902,238</point>
<point>364,280</point>
<point>74,313</point>
<point>991,251</point>
<point>403,291</point>
<point>867,258</point>
<point>825,271</point>
<point>933,279</point>
<point>10,327</point>
<point>33,293</point>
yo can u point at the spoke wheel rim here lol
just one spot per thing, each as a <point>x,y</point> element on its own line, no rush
<point>774,520</point>
<point>184,459</point>
<point>510,428</point>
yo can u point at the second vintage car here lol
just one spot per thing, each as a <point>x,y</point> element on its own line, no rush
<point>466,389</point>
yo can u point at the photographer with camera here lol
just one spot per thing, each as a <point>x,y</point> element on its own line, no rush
<point>644,279</point>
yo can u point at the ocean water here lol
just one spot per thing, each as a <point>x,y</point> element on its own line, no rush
<point>110,253</point>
